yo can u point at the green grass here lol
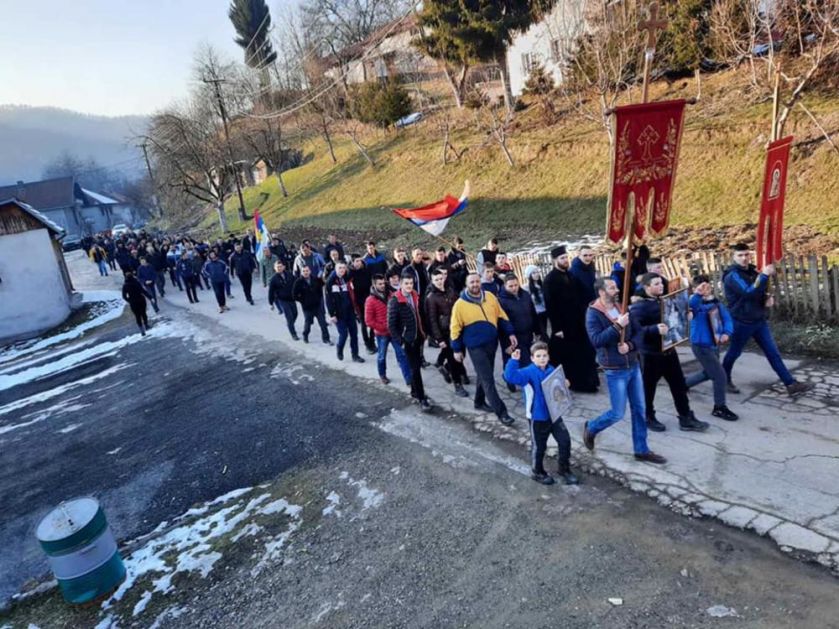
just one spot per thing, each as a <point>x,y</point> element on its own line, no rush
<point>560,183</point>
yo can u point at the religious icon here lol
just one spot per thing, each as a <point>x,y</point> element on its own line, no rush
<point>775,187</point>
<point>674,314</point>
<point>557,395</point>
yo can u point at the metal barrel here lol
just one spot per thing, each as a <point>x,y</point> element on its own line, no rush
<point>81,550</point>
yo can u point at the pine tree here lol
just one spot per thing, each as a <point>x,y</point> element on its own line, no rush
<point>252,21</point>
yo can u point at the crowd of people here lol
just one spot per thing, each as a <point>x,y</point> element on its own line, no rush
<point>571,318</point>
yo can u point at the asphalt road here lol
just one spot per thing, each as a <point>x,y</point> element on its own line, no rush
<point>443,528</point>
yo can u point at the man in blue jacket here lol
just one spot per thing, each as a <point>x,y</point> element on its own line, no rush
<point>745,292</point>
<point>711,326</point>
<point>611,333</point>
<point>216,273</point>
<point>542,425</point>
<point>148,279</point>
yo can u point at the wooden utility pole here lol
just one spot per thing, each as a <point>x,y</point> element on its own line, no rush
<point>223,111</point>
<point>652,25</point>
<point>154,199</point>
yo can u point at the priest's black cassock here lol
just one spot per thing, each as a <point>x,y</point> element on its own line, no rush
<point>566,312</point>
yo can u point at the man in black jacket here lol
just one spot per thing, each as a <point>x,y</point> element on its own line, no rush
<point>340,304</point>
<point>519,307</point>
<point>645,315</point>
<point>458,266</point>
<point>333,243</point>
<point>438,309</point>
<point>404,321</point>
<point>281,296</point>
<point>362,281</point>
<point>308,290</point>
<point>243,264</point>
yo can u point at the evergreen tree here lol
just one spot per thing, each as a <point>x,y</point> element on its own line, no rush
<point>252,22</point>
<point>381,104</point>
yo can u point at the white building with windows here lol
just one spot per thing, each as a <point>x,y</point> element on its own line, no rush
<point>549,42</point>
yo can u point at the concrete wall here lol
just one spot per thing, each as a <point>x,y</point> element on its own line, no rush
<point>33,297</point>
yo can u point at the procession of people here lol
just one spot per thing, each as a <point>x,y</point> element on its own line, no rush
<point>571,319</point>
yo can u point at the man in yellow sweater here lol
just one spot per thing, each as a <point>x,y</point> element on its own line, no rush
<point>476,318</point>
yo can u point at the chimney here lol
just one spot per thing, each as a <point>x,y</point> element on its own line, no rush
<point>21,190</point>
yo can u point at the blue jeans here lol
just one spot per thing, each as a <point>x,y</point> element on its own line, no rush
<point>289,309</point>
<point>623,384</point>
<point>347,327</point>
<point>709,359</point>
<point>759,331</point>
<point>103,268</point>
<point>382,343</point>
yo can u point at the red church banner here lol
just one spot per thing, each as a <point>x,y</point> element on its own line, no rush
<point>771,225</point>
<point>647,139</point>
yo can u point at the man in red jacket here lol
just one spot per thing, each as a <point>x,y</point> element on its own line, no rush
<point>375,317</point>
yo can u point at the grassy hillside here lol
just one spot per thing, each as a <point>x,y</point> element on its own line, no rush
<point>559,185</point>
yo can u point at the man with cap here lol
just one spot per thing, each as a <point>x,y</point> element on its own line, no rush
<point>748,300</point>
<point>569,344</point>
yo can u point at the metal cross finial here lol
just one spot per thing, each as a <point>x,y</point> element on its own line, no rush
<point>652,24</point>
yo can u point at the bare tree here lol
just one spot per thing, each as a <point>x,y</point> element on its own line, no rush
<point>499,129</point>
<point>444,124</point>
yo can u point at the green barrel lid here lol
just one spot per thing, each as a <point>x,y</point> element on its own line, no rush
<point>72,524</point>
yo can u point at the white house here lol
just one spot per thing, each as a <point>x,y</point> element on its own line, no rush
<point>35,287</point>
<point>549,42</point>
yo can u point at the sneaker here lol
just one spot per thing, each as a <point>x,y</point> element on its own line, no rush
<point>340,355</point>
<point>588,438</point>
<point>655,425</point>
<point>445,373</point>
<point>486,408</point>
<point>723,412</point>
<point>251,302</point>
<point>542,479</point>
<point>689,423</point>
<point>295,337</point>
<point>730,387</point>
<point>505,419</point>
<point>357,359</point>
<point>305,338</point>
<point>328,342</point>
<point>385,380</point>
<point>221,309</point>
<point>425,405</point>
<point>651,457</point>
<point>460,391</point>
<point>569,477</point>
<point>797,388</point>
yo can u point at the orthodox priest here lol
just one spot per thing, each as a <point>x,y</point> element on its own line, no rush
<point>569,344</point>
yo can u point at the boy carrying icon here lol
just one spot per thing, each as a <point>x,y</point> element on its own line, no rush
<point>541,424</point>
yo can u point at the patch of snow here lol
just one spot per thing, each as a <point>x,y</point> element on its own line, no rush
<point>332,508</point>
<point>114,451</point>
<point>249,530</point>
<point>721,611</point>
<point>290,372</point>
<point>140,607</point>
<point>370,497</point>
<point>69,428</point>
<point>52,411</point>
<point>328,607</point>
<point>172,612</point>
<point>107,622</point>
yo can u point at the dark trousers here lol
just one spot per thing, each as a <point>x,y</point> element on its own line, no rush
<point>112,263</point>
<point>761,334</point>
<point>539,433</point>
<point>367,335</point>
<point>247,283</point>
<point>456,369</point>
<point>309,315</point>
<point>289,309</point>
<point>138,308</point>
<point>667,366</point>
<point>175,278</point>
<point>151,289</point>
<point>483,358</point>
<point>709,358</point>
<point>227,285</point>
<point>218,289</point>
<point>413,352</point>
<point>160,280</point>
<point>191,293</point>
<point>347,327</point>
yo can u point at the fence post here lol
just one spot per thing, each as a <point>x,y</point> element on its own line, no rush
<point>813,269</point>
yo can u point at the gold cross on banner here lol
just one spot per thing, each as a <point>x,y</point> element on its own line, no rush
<point>652,24</point>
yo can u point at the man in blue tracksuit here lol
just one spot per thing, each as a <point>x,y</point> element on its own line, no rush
<point>710,327</point>
<point>148,279</point>
<point>530,378</point>
<point>340,303</point>
<point>216,273</point>
<point>621,363</point>
<point>745,292</point>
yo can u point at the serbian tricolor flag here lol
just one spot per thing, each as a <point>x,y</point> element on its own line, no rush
<point>771,225</point>
<point>434,217</point>
<point>647,140</point>
<point>263,236</point>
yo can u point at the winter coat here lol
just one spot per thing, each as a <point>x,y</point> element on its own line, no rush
<point>375,264</point>
<point>215,271</point>
<point>458,272</point>
<point>403,318</point>
<point>146,274</point>
<point>421,278</point>
<point>484,256</point>
<point>701,334</point>
<point>242,263</point>
<point>281,287</point>
<point>584,274</point>
<point>530,380</point>
<point>158,261</point>
<point>375,313</point>
<point>340,299</point>
<point>522,314</point>
<point>476,321</point>
<point>493,287</point>
<point>314,261</point>
<point>646,314</point>
<point>361,284</point>
<point>328,247</point>
<point>745,292</point>
<point>133,292</point>
<point>185,269</point>
<point>197,263</point>
<point>308,292</point>
<point>618,273</point>
<point>97,254</point>
<point>266,266</point>
<point>438,308</point>
<point>605,335</point>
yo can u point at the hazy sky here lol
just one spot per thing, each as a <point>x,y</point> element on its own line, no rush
<point>109,57</point>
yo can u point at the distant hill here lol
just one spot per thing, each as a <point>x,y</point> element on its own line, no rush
<point>32,136</point>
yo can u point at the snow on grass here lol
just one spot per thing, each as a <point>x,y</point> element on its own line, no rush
<point>110,307</point>
<point>332,508</point>
<point>172,612</point>
<point>195,541</point>
<point>370,497</point>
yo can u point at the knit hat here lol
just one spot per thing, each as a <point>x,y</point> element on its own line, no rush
<point>530,270</point>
